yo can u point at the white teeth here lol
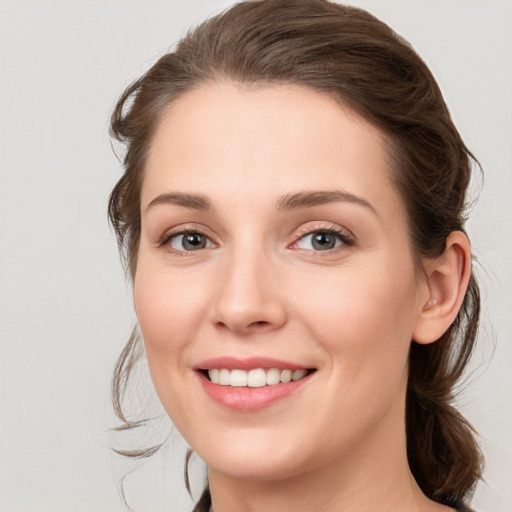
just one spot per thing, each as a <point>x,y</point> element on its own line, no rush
<point>224,377</point>
<point>273,376</point>
<point>298,374</point>
<point>286,376</point>
<point>238,378</point>
<point>256,378</point>
<point>214,376</point>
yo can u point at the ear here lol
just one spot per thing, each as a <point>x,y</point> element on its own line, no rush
<point>447,279</point>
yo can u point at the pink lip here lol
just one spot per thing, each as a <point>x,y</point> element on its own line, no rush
<point>250,399</point>
<point>250,363</point>
<point>245,398</point>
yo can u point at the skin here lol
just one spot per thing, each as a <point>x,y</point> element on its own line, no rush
<point>260,288</point>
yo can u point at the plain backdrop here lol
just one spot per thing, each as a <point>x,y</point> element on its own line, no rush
<point>65,306</point>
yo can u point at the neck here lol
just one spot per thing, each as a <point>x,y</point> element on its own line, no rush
<point>331,491</point>
<point>372,475</point>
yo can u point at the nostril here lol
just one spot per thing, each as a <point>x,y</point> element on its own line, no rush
<point>258,325</point>
<point>260,322</point>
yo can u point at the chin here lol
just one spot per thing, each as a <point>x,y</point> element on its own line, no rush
<point>257,470</point>
<point>252,458</point>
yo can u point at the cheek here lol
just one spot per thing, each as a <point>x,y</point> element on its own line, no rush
<point>363,320</point>
<point>167,312</point>
<point>364,314</point>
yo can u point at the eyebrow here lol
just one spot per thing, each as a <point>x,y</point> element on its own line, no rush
<point>306,199</point>
<point>297,200</point>
<point>192,201</point>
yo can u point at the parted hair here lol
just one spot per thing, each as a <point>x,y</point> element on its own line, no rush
<point>358,60</point>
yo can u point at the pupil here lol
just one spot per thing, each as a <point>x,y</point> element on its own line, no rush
<point>323,241</point>
<point>194,241</point>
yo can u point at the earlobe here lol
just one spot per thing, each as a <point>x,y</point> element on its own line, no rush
<point>447,279</point>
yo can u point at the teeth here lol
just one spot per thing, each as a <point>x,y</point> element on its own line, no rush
<point>298,374</point>
<point>214,376</point>
<point>273,376</point>
<point>286,376</point>
<point>256,378</point>
<point>224,377</point>
<point>238,378</point>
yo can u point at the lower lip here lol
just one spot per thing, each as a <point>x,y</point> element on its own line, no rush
<point>250,399</point>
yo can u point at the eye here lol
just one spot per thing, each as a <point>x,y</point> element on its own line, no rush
<point>190,241</point>
<point>322,240</point>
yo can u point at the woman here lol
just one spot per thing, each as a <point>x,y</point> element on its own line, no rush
<point>292,214</point>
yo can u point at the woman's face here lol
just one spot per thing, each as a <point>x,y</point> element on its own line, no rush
<point>274,241</point>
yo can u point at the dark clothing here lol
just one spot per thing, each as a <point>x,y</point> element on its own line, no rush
<point>205,502</point>
<point>463,508</point>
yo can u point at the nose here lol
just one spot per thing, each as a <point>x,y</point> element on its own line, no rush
<point>249,299</point>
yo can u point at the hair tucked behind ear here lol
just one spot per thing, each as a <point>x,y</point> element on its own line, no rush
<point>443,453</point>
<point>349,54</point>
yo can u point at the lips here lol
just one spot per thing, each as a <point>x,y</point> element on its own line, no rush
<point>253,383</point>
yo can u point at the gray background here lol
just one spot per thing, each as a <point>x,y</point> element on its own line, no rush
<point>65,307</point>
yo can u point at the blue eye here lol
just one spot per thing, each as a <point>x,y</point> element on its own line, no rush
<point>323,240</point>
<point>190,241</point>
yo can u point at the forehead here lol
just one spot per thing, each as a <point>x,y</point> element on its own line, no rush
<point>229,141</point>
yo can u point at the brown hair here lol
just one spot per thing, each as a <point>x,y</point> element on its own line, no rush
<point>357,59</point>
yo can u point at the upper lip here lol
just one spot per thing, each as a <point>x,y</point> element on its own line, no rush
<point>248,363</point>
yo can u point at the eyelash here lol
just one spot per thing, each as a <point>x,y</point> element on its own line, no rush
<point>345,239</point>
<point>166,239</point>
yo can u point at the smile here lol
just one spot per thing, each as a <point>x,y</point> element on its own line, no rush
<point>251,384</point>
<point>255,378</point>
